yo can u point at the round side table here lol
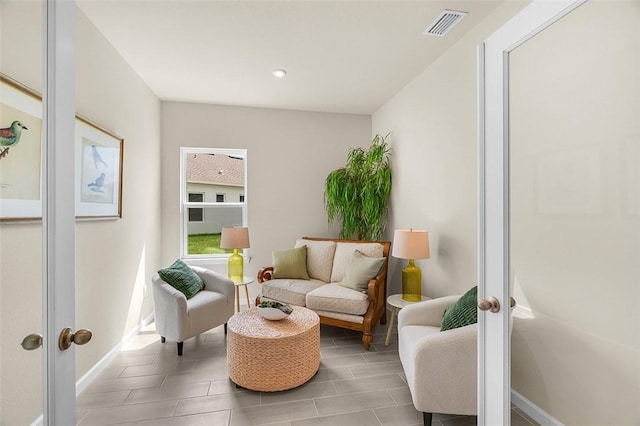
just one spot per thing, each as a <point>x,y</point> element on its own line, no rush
<point>397,302</point>
<point>245,281</point>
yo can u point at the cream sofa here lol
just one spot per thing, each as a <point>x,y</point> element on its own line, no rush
<point>327,263</point>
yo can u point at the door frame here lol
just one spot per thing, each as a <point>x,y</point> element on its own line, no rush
<point>494,336</point>
<point>58,210</point>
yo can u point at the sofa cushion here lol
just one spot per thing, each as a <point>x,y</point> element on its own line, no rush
<point>319,258</point>
<point>357,319</point>
<point>290,263</point>
<point>289,291</point>
<point>360,270</point>
<point>463,312</point>
<point>344,251</point>
<point>182,278</point>
<point>335,298</point>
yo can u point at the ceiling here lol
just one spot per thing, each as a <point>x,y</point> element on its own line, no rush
<point>340,56</point>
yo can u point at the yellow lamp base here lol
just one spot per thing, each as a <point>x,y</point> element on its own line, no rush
<point>236,267</point>
<point>411,282</point>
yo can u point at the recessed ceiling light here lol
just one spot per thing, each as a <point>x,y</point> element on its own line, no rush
<point>280,73</point>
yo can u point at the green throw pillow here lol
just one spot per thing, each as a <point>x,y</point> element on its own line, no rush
<point>463,312</point>
<point>290,263</point>
<point>360,270</point>
<point>182,278</point>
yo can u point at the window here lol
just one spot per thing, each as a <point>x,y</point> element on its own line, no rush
<point>209,178</point>
<point>196,214</point>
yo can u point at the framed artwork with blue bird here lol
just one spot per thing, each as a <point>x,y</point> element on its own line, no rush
<point>99,155</point>
<point>20,151</point>
<point>98,160</point>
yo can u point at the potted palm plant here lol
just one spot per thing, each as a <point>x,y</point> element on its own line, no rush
<point>358,193</point>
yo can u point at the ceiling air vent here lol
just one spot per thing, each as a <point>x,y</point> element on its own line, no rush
<point>444,22</point>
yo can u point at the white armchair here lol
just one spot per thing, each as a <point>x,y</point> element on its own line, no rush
<point>179,319</point>
<point>441,367</point>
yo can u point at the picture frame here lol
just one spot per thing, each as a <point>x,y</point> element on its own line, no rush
<point>99,158</point>
<point>20,152</point>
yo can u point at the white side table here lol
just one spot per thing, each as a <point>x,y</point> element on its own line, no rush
<point>245,281</point>
<point>397,302</point>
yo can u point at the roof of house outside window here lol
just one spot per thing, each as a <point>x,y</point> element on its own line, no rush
<point>215,169</point>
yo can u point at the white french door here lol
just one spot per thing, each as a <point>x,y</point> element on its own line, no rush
<point>37,262</point>
<point>58,212</point>
<point>494,356</point>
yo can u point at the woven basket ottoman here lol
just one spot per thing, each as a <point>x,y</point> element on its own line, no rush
<point>270,356</point>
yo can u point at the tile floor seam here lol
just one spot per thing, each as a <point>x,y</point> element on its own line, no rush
<point>376,415</point>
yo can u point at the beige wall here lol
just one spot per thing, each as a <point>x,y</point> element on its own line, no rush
<point>114,259</point>
<point>434,137</point>
<point>289,154</point>
<point>575,210</point>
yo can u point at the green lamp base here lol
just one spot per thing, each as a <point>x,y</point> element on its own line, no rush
<point>411,282</point>
<point>236,267</point>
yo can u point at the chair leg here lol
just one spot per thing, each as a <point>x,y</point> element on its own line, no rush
<point>162,339</point>
<point>225,328</point>
<point>426,417</point>
<point>180,348</point>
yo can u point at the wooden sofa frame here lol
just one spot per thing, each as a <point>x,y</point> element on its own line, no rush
<point>376,291</point>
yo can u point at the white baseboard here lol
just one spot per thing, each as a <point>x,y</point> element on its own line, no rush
<point>533,411</point>
<point>88,377</point>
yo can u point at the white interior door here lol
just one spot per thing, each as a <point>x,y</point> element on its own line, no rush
<point>58,215</point>
<point>37,210</point>
<point>494,357</point>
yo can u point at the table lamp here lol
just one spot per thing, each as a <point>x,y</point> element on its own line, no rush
<point>235,238</point>
<point>411,244</point>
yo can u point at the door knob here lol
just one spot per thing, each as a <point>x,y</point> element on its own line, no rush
<point>31,342</point>
<point>489,304</point>
<point>67,337</point>
<point>492,304</point>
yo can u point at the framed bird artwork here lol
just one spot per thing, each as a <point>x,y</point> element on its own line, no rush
<point>98,161</point>
<point>99,156</point>
<point>20,152</point>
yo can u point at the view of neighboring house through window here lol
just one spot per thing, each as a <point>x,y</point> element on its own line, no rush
<point>213,192</point>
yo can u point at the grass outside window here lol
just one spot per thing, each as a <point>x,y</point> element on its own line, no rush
<point>206,244</point>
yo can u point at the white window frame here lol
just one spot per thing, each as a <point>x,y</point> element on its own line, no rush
<point>184,198</point>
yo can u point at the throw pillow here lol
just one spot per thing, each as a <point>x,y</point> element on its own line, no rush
<point>360,270</point>
<point>182,278</point>
<point>463,312</point>
<point>290,263</point>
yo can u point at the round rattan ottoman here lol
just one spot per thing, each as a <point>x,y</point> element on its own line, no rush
<point>269,356</point>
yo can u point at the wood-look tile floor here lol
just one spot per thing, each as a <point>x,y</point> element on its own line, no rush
<point>148,384</point>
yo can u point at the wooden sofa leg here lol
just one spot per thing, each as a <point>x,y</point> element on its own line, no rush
<point>162,339</point>
<point>367,339</point>
<point>426,418</point>
<point>225,328</point>
<point>180,348</point>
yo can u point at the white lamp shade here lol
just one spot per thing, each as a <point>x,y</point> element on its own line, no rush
<point>410,244</point>
<point>234,238</point>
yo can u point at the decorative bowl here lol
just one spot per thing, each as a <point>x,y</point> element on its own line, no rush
<point>274,310</point>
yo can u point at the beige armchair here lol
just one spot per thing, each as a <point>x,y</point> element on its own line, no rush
<point>441,366</point>
<point>179,319</point>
